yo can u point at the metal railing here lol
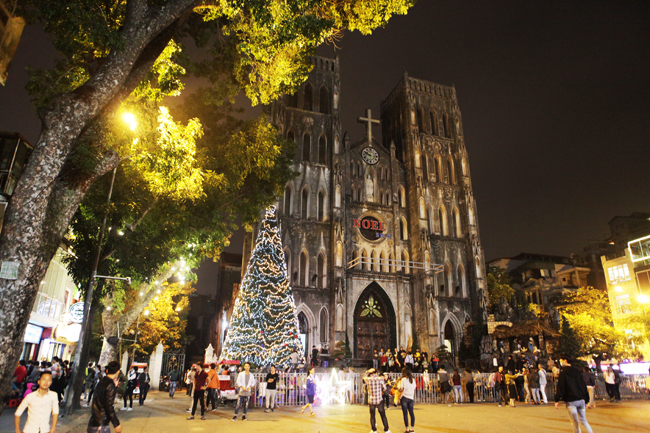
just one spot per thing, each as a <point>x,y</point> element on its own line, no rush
<point>291,388</point>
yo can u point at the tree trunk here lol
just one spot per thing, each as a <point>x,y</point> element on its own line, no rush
<point>34,221</point>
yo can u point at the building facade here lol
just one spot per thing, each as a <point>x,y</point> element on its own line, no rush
<point>380,236</point>
<point>628,285</point>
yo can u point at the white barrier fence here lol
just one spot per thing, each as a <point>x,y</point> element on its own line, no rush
<point>349,388</point>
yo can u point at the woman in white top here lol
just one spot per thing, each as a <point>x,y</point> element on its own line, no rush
<point>610,382</point>
<point>407,386</point>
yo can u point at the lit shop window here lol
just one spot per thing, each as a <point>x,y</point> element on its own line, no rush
<point>618,274</point>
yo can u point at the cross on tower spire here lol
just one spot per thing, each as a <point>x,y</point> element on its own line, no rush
<point>369,121</point>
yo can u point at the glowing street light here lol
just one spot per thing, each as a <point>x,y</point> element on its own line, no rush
<point>129,118</point>
<point>146,312</point>
<point>643,299</point>
<point>618,288</point>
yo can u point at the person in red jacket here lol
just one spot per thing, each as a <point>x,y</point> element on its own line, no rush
<point>19,375</point>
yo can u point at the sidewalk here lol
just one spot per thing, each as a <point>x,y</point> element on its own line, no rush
<point>162,414</point>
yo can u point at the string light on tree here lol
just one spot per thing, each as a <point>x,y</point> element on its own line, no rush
<point>264,326</point>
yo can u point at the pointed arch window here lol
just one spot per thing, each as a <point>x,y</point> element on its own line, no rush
<point>383,262</point>
<point>449,280</point>
<point>324,325</point>
<point>423,213</point>
<point>425,167</point>
<point>321,205</point>
<point>304,269</point>
<point>320,280</point>
<point>402,197</point>
<point>287,201</point>
<point>457,228</point>
<point>445,125</point>
<point>403,229</point>
<point>450,169</point>
<point>364,260</point>
<point>442,216</point>
<point>308,103</point>
<point>374,261</point>
<point>324,100</point>
<point>304,204</point>
<point>421,120</point>
<point>291,136</point>
<point>388,200</point>
<point>462,281</point>
<point>405,259</point>
<point>352,169</point>
<point>438,169</point>
<point>322,150</point>
<point>429,221</point>
<point>433,116</point>
<point>306,147</point>
<point>392,262</point>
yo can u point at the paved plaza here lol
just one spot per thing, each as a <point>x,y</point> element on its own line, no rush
<point>161,414</point>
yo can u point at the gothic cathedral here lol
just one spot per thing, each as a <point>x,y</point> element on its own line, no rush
<point>381,237</point>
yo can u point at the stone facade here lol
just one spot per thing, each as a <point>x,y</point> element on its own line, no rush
<point>403,208</point>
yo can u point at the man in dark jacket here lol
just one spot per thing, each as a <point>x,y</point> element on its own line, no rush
<point>103,407</point>
<point>143,382</point>
<point>572,390</point>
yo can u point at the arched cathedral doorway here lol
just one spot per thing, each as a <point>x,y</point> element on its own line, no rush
<point>303,329</point>
<point>450,339</point>
<point>374,322</point>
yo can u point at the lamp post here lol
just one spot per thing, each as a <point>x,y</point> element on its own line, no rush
<point>86,326</point>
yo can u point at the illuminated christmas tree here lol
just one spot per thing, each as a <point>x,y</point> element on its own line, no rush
<point>264,326</point>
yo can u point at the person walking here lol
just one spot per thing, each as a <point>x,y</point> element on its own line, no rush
<point>407,387</point>
<point>189,380</point>
<point>271,380</point>
<point>88,381</point>
<point>617,384</point>
<point>213,386</point>
<point>144,381</point>
<point>590,380</point>
<point>512,387</point>
<point>175,376</point>
<point>469,384</point>
<point>376,385</point>
<point>527,393</point>
<point>41,405</point>
<point>458,388</point>
<point>610,382</point>
<point>98,375</point>
<point>245,385</point>
<point>572,390</point>
<point>103,404</point>
<point>132,378</point>
<point>533,382</point>
<point>542,382</point>
<point>200,385</point>
<point>310,391</point>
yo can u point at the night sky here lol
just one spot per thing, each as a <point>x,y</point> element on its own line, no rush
<point>555,98</point>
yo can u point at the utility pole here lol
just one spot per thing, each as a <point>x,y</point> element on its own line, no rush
<point>86,326</point>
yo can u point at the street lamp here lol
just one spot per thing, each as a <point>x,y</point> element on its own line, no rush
<point>129,118</point>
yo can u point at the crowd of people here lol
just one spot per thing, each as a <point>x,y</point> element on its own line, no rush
<point>514,380</point>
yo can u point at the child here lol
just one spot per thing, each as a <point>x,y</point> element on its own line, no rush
<point>40,405</point>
